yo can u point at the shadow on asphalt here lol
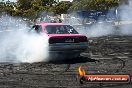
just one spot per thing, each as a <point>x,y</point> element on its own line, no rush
<point>80,59</point>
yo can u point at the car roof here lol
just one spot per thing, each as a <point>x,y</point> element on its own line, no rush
<point>45,24</point>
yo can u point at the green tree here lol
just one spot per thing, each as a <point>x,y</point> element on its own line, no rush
<point>62,7</point>
<point>28,8</point>
<point>94,4</point>
<point>37,5</point>
<point>24,4</point>
<point>48,2</point>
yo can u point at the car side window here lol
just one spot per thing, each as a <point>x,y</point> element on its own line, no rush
<point>37,28</point>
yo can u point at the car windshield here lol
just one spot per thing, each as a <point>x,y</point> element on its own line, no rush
<point>60,29</point>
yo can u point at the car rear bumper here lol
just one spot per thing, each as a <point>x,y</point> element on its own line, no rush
<point>68,47</point>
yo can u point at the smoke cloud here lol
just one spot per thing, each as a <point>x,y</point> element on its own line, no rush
<point>125,17</point>
<point>104,27</point>
<point>18,45</point>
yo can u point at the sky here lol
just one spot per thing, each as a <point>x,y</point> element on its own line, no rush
<point>9,0</point>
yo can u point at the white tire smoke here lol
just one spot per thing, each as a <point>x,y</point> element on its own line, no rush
<point>17,45</point>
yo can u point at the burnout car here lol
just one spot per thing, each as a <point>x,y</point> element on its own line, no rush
<point>64,40</point>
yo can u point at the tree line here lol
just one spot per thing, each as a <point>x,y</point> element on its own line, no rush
<point>30,8</point>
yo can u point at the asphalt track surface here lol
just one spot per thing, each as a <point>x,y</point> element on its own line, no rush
<point>105,55</point>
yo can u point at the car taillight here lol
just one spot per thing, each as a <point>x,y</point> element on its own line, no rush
<point>83,39</point>
<point>54,40</point>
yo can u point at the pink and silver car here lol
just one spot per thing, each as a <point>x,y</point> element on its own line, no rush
<point>64,40</point>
